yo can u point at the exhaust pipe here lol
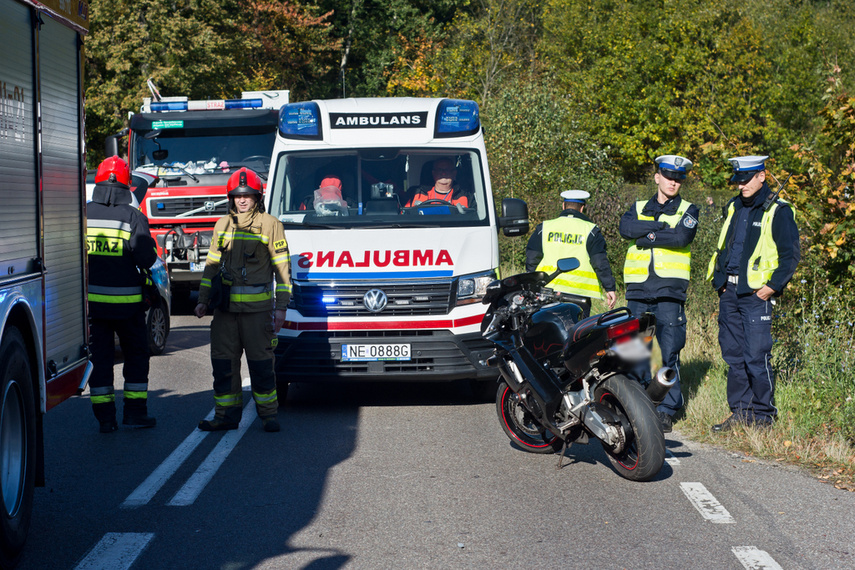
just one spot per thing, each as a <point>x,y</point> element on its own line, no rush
<point>661,383</point>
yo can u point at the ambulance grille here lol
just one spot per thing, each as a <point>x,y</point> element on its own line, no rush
<point>346,300</point>
<point>181,205</point>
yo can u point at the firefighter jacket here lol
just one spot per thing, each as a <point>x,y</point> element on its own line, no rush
<point>119,246</point>
<point>657,264</point>
<point>572,234</point>
<point>770,251</point>
<point>250,250</point>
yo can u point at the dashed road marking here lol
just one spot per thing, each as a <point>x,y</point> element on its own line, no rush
<point>707,505</point>
<point>670,459</point>
<point>755,559</point>
<point>187,494</point>
<point>116,551</point>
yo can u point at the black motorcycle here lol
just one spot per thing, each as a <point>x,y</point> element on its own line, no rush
<point>564,377</point>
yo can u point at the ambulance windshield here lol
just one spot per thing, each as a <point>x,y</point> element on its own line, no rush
<point>379,187</point>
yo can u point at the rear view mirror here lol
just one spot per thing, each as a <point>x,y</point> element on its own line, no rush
<point>514,220</point>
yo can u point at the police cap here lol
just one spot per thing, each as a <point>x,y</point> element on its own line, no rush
<point>673,167</point>
<point>745,167</point>
<point>577,196</point>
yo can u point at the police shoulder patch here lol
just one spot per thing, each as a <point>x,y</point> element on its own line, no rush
<point>689,221</point>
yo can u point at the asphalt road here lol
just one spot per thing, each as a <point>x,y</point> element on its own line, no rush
<point>399,476</point>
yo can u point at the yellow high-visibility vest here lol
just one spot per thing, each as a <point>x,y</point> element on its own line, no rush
<point>668,262</point>
<point>567,236</point>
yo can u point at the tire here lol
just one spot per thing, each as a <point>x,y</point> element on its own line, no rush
<point>520,426</point>
<point>282,392</point>
<point>643,453</point>
<point>18,449</point>
<point>157,328</point>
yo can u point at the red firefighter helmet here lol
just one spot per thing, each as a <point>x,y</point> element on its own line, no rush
<point>113,169</point>
<point>244,182</point>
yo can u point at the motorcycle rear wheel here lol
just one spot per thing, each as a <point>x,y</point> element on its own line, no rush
<point>643,453</point>
<point>521,427</point>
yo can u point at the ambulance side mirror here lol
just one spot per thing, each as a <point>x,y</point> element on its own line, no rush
<point>514,219</point>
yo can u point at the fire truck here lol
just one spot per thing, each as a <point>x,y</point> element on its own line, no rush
<point>44,336</point>
<point>193,146</point>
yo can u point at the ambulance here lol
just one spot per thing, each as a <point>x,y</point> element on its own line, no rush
<point>388,275</point>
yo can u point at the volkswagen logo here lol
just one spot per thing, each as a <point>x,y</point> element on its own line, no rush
<point>375,300</point>
<point>210,206</point>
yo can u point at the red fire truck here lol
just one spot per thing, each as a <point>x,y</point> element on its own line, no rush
<point>44,337</point>
<point>192,146</point>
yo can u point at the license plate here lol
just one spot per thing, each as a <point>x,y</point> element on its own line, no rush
<point>197,266</point>
<point>372,352</point>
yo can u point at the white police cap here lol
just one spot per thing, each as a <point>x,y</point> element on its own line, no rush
<point>745,167</point>
<point>578,196</point>
<point>674,166</point>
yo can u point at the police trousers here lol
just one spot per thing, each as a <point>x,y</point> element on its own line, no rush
<point>745,337</point>
<point>671,336</point>
<point>233,334</point>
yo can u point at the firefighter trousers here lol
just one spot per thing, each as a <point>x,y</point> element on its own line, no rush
<point>232,334</point>
<point>134,342</point>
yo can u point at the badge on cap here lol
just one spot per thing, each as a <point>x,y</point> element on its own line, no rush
<point>673,166</point>
<point>745,167</point>
<point>578,196</point>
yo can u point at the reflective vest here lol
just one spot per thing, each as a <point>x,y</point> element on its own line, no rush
<point>764,259</point>
<point>668,263</point>
<point>109,239</point>
<point>567,236</point>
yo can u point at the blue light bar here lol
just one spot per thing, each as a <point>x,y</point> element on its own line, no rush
<point>300,121</point>
<point>244,103</point>
<point>157,106</point>
<point>328,300</point>
<point>457,117</point>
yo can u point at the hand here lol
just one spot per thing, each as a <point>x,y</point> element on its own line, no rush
<point>278,319</point>
<point>200,310</point>
<point>765,292</point>
<point>611,299</point>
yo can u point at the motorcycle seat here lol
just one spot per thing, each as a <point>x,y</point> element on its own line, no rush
<point>583,327</point>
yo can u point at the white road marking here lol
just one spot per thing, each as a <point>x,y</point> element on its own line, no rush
<point>203,475</point>
<point>153,483</point>
<point>116,551</point>
<point>670,459</point>
<point>706,504</point>
<point>755,559</point>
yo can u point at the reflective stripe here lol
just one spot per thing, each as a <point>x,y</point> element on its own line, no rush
<point>668,262</point>
<point>280,259</point>
<point>248,236</point>
<point>108,232</point>
<point>115,295</point>
<point>228,400</point>
<point>101,390</point>
<point>116,300</point>
<point>102,399</point>
<point>264,398</point>
<point>205,282</point>
<point>567,236</point>
<point>136,386</point>
<point>109,224</point>
<point>214,256</point>
<point>136,395</point>
<point>104,290</point>
<point>281,288</point>
<point>250,293</point>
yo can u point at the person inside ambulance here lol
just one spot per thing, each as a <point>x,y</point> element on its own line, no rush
<point>444,188</point>
<point>327,200</point>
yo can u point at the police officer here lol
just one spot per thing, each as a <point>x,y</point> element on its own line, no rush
<point>247,252</point>
<point>757,254</point>
<point>119,246</point>
<point>656,270</point>
<point>573,234</point>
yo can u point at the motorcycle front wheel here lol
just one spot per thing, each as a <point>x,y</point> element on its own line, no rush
<point>641,455</point>
<point>520,425</point>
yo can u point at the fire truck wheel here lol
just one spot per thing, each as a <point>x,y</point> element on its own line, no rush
<point>18,452</point>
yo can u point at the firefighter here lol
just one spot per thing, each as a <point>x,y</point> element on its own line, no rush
<point>656,270</point>
<point>573,234</point>
<point>757,255</point>
<point>121,251</point>
<point>248,251</point>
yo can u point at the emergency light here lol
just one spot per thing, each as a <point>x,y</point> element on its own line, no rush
<point>300,121</point>
<point>212,105</point>
<point>456,117</point>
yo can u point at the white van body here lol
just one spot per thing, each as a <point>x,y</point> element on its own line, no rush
<point>384,288</point>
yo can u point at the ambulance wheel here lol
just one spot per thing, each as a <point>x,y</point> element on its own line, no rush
<point>18,452</point>
<point>281,391</point>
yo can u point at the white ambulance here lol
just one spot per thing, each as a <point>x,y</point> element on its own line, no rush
<point>388,273</point>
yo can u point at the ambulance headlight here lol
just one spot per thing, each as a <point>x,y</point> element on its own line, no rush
<point>472,288</point>
<point>300,121</point>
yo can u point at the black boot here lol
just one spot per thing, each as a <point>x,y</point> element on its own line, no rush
<point>136,414</point>
<point>105,413</point>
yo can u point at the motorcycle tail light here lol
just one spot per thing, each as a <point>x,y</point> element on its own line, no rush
<point>623,329</point>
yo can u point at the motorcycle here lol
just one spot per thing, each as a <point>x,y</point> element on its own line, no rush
<point>563,378</point>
